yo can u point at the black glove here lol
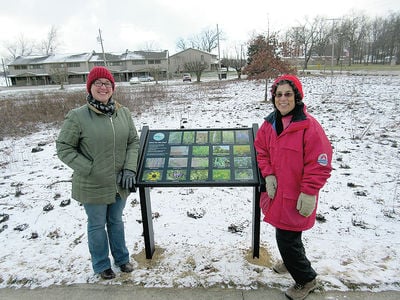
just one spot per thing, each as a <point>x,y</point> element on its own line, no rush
<point>127,179</point>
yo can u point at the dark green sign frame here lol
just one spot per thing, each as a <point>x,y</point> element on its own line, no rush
<point>197,157</point>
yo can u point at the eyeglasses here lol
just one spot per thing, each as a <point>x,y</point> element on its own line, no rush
<point>98,83</point>
<point>287,95</point>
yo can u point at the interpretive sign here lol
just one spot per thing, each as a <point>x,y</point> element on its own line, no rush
<point>198,157</point>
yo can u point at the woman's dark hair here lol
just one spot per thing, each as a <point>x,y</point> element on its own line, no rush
<point>297,95</point>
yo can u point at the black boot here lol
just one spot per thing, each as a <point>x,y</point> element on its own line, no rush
<point>107,274</point>
<point>126,268</point>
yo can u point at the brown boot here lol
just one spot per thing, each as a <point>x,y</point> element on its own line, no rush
<point>300,292</point>
<point>280,268</point>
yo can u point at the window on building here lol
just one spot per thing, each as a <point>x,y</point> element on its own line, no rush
<point>115,63</point>
<point>138,62</point>
<point>73,65</point>
<point>36,67</point>
<point>21,67</point>
<point>154,61</point>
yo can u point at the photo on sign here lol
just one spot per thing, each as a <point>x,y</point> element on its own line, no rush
<point>221,150</point>
<point>202,137</point>
<point>179,150</point>
<point>221,162</point>
<point>200,150</point>
<point>150,175</point>
<point>155,162</point>
<point>221,174</point>
<point>188,137</point>
<point>241,150</point>
<point>242,137</point>
<point>228,137</point>
<point>177,162</point>
<point>175,137</point>
<point>243,174</point>
<point>199,162</point>
<point>215,137</point>
<point>176,174</point>
<point>198,175</point>
<point>242,162</point>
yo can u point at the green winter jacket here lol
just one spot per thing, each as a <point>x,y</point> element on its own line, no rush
<point>97,147</point>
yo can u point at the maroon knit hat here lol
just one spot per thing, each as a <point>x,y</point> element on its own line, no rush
<point>96,73</point>
<point>291,78</point>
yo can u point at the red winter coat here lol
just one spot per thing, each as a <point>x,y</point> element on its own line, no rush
<point>300,158</point>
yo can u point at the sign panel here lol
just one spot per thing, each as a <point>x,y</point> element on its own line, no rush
<point>198,157</point>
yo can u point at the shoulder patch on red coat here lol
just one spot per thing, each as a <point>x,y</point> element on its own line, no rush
<point>323,159</point>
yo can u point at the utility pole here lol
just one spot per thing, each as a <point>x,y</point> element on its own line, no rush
<point>100,39</point>
<point>219,56</point>
<point>167,66</point>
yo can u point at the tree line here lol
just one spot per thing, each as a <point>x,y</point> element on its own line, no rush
<point>352,39</point>
<point>355,39</point>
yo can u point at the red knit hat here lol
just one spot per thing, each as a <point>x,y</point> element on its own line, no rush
<point>96,73</point>
<point>291,78</point>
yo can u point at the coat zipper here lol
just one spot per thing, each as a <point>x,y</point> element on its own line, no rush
<point>113,129</point>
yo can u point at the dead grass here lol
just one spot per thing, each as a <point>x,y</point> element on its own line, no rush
<point>30,111</point>
<point>26,113</point>
<point>22,115</point>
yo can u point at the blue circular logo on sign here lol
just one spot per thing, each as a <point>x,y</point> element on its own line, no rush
<point>159,136</point>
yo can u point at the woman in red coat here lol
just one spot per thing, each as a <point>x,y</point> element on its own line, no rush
<point>294,156</point>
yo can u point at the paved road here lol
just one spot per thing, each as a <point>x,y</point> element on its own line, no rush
<point>122,292</point>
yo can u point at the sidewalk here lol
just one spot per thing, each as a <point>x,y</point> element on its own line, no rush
<point>121,292</point>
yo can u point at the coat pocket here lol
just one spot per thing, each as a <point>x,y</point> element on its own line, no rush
<point>290,216</point>
<point>265,202</point>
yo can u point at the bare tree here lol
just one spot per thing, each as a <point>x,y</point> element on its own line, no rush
<point>388,45</point>
<point>50,45</point>
<point>150,46</point>
<point>236,61</point>
<point>21,47</point>
<point>207,41</point>
<point>155,72</point>
<point>181,44</point>
<point>322,34</point>
<point>59,74</point>
<point>395,37</point>
<point>196,67</point>
<point>355,30</point>
<point>305,35</point>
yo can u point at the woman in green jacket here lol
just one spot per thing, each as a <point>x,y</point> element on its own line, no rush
<point>99,142</point>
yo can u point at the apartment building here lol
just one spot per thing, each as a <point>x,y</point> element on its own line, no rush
<point>74,68</point>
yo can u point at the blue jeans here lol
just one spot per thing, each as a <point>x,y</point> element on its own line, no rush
<point>101,217</point>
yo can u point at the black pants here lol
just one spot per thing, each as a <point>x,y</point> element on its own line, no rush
<point>294,256</point>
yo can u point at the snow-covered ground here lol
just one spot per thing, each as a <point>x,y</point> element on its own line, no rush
<point>355,245</point>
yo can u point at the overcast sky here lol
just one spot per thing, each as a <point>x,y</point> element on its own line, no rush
<point>135,25</point>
